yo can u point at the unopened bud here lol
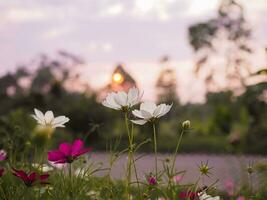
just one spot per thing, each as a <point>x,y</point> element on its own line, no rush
<point>186,124</point>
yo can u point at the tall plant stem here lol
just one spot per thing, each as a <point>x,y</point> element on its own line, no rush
<point>176,151</point>
<point>155,150</point>
<point>129,163</point>
<point>70,175</point>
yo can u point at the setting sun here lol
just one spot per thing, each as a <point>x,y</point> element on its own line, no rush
<point>117,78</point>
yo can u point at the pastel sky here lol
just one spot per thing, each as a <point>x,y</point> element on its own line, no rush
<point>105,32</point>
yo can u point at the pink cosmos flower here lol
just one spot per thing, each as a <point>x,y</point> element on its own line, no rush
<point>31,178</point>
<point>187,195</point>
<point>240,198</point>
<point>67,153</point>
<point>229,187</point>
<point>152,180</point>
<point>177,179</point>
<point>2,170</point>
<point>2,155</point>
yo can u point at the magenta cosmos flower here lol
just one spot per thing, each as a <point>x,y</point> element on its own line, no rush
<point>31,178</point>
<point>152,180</point>
<point>67,153</point>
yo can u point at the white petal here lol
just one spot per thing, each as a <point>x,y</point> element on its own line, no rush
<point>49,116</point>
<point>148,106</point>
<point>60,121</point>
<point>38,113</point>
<point>146,114</point>
<point>139,121</point>
<point>137,113</point>
<point>160,108</point>
<point>39,116</point>
<point>133,96</point>
<point>39,121</point>
<point>166,109</point>
<point>110,102</point>
<point>121,98</point>
<point>105,103</point>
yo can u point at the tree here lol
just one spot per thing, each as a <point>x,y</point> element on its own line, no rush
<point>166,84</point>
<point>222,47</point>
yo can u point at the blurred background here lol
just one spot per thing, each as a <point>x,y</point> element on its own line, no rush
<point>208,57</point>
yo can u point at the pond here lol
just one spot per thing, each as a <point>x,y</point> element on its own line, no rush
<point>224,167</point>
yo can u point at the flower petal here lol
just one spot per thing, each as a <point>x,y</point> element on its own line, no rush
<point>60,121</point>
<point>133,96</point>
<point>82,151</point>
<point>121,98</point>
<point>148,106</point>
<point>43,177</point>
<point>2,170</point>
<point>160,108</point>
<point>137,113</point>
<point>146,114</point>
<point>65,148</point>
<point>76,146</point>
<point>32,176</point>
<point>139,121</point>
<point>110,102</point>
<point>49,116</point>
<point>39,116</point>
<point>166,109</point>
<point>56,155</point>
<point>21,174</point>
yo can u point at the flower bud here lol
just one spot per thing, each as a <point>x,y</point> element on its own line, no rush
<point>186,124</point>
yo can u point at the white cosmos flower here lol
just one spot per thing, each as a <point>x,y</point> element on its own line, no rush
<point>149,111</point>
<point>205,196</point>
<point>122,100</point>
<point>48,119</point>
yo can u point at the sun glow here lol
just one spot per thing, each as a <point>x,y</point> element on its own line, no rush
<point>117,78</point>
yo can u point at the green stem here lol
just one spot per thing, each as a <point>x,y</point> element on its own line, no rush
<point>134,165</point>
<point>129,164</point>
<point>70,175</point>
<point>176,151</point>
<point>155,150</point>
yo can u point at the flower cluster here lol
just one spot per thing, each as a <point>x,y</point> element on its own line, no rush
<point>148,111</point>
<point>30,179</point>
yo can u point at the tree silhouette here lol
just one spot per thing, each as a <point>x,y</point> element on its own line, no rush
<point>166,84</point>
<point>223,46</point>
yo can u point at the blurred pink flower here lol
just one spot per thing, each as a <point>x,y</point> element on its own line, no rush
<point>229,187</point>
<point>187,195</point>
<point>152,180</point>
<point>240,198</point>
<point>177,179</point>
<point>67,153</point>
<point>2,155</point>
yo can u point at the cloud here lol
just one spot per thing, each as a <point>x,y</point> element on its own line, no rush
<point>200,8</point>
<point>98,47</point>
<point>152,9</point>
<point>57,32</point>
<point>112,10</point>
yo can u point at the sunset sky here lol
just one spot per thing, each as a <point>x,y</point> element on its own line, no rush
<point>104,32</point>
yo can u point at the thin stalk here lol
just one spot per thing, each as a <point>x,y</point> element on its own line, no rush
<point>70,175</point>
<point>134,165</point>
<point>250,184</point>
<point>155,150</point>
<point>129,164</point>
<point>176,151</point>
